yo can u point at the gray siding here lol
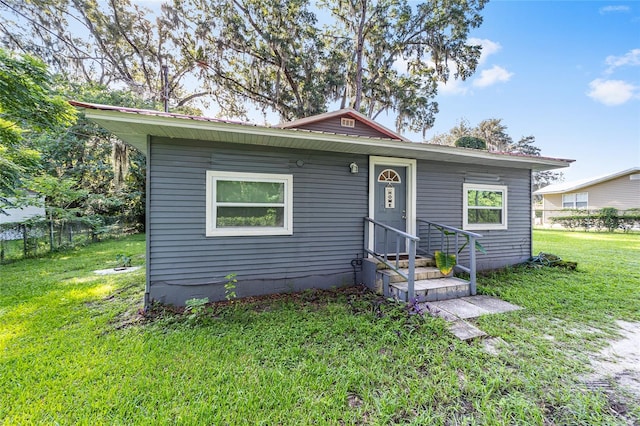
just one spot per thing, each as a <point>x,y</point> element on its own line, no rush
<point>328,210</point>
<point>439,199</point>
<point>332,125</point>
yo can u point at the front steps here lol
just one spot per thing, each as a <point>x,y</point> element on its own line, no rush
<point>445,297</point>
<point>457,312</point>
<point>429,285</point>
<point>432,290</point>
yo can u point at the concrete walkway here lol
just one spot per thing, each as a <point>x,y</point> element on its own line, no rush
<point>456,311</point>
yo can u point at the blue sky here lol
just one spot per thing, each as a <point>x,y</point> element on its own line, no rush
<point>566,72</point>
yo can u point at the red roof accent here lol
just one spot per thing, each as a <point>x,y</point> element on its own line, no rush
<point>341,113</point>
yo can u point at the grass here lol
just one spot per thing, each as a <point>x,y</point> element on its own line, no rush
<point>74,351</point>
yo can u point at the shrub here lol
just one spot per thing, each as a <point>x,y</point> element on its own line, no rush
<point>471,142</point>
<point>608,218</point>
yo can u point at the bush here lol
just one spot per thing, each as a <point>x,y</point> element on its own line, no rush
<point>608,218</point>
<point>471,142</point>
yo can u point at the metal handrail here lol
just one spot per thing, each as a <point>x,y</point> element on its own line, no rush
<point>471,236</point>
<point>390,228</point>
<point>399,235</point>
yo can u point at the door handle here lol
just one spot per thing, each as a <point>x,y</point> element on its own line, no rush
<point>404,214</point>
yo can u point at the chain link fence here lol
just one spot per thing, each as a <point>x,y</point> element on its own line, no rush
<point>37,236</point>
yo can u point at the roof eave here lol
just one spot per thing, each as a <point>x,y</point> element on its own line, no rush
<point>589,183</point>
<point>128,127</point>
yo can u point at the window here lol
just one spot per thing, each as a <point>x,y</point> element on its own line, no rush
<point>575,201</point>
<point>389,175</point>
<point>485,206</point>
<point>249,204</point>
<point>347,122</point>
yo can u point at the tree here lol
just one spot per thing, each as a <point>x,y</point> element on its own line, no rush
<point>379,34</point>
<point>27,105</point>
<point>114,43</point>
<point>525,146</point>
<point>434,41</point>
<point>61,194</point>
<point>111,173</point>
<point>541,178</point>
<point>274,54</point>
<point>269,53</point>
<point>494,132</point>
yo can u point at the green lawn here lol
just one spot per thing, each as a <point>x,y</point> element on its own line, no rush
<point>73,350</point>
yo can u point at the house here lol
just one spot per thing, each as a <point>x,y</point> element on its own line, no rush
<point>619,190</point>
<point>307,203</point>
<point>10,218</point>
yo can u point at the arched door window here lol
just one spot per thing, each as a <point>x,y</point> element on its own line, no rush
<point>389,176</point>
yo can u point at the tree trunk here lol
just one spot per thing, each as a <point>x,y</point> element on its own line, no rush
<point>359,56</point>
<point>120,159</point>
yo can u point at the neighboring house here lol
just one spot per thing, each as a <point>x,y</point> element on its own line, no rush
<point>17,215</point>
<point>284,207</point>
<point>620,190</point>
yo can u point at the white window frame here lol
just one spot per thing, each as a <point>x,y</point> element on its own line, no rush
<point>573,199</point>
<point>466,187</point>
<point>212,178</point>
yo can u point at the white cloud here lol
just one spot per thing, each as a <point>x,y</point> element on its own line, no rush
<point>611,92</point>
<point>631,58</point>
<point>614,9</point>
<point>493,75</point>
<point>488,47</point>
<point>453,87</point>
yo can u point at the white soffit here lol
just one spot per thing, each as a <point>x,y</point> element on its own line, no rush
<point>134,129</point>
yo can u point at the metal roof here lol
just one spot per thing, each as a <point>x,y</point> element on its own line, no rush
<point>134,126</point>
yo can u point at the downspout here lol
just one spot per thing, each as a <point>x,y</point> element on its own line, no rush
<point>147,205</point>
<point>531,214</point>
